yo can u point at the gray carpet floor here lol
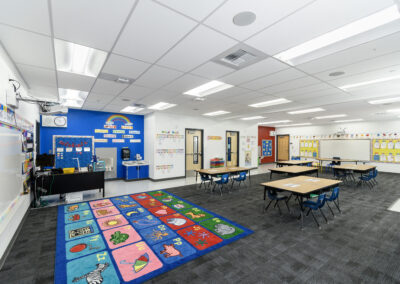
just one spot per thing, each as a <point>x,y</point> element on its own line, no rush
<point>359,246</point>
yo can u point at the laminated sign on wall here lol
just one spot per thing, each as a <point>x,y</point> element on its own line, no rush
<point>386,150</point>
<point>309,148</point>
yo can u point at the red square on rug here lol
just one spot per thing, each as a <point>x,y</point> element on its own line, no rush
<point>199,237</point>
<point>151,202</point>
<point>161,211</point>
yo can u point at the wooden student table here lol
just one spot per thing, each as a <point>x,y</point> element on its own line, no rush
<point>292,163</point>
<point>293,170</point>
<point>335,160</point>
<point>362,169</point>
<point>300,186</point>
<point>225,170</point>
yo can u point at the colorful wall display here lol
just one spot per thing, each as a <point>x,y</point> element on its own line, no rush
<point>214,137</point>
<point>266,149</point>
<point>69,148</point>
<point>108,130</point>
<point>309,148</point>
<point>386,150</point>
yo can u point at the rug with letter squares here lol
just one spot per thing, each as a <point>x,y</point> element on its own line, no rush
<point>132,238</point>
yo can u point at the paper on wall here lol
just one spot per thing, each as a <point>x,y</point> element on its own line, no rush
<point>68,149</point>
<point>377,145</point>
<point>390,157</point>
<point>86,149</point>
<point>390,145</point>
<point>60,149</point>
<point>78,149</point>
<point>397,145</point>
<point>383,145</point>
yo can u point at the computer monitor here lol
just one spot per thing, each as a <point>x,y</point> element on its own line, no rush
<point>45,160</point>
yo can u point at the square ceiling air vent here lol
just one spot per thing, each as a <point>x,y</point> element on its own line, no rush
<point>239,56</point>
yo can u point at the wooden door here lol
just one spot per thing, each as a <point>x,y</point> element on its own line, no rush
<point>194,145</point>
<point>283,147</point>
<point>232,148</point>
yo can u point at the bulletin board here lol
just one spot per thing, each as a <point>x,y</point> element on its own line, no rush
<point>266,150</point>
<point>67,148</point>
<point>309,148</point>
<point>386,150</point>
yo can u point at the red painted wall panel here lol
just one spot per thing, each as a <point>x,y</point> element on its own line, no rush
<point>263,134</point>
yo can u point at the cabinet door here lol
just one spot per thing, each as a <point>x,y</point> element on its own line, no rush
<point>144,172</point>
<point>133,172</point>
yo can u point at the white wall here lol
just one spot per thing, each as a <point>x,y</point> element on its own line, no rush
<point>371,128</point>
<point>158,122</point>
<point>30,112</point>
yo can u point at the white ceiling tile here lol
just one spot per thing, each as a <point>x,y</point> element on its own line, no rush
<point>74,81</point>
<point>94,107</point>
<point>93,23</point>
<point>192,50</point>
<point>212,70</point>
<point>124,66</point>
<point>157,77</point>
<point>151,31</point>
<point>294,84</point>
<point>227,94</point>
<point>38,76</point>
<point>373,49</point>
<point>108,87</point>
<point>304,90</point>
<point>274,79</point>
<point>267,12</point>
<point>27,48</point>
<point>44,92</point>
<point>301,26</point>
<point>257,70</point>
<point>121,101</point>
<point>112,108</point>
<point>185,83</point>
<point>197,10</point>
<point>389,60</point>
<point>100,101</point>
<point>136,92</point>
<point>15,13</point>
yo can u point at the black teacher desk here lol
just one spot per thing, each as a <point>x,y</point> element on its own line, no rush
<point>66,183</point>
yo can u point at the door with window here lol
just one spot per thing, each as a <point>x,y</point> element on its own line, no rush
<point>232,148</point>
<point>283,147</point>
<point>194,149</point>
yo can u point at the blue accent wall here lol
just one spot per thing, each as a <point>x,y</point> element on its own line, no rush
<point>84,123</point>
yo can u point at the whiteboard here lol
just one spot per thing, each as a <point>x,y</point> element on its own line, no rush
<point>357,149</point>
<point>10,166</point>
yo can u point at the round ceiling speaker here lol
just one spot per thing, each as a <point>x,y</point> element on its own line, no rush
<point>244,18</point>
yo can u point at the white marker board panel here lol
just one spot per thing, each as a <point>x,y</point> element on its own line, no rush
<point>357,149</point>
<point>10,166</point>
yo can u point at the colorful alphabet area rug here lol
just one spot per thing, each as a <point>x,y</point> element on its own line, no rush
<point>130,239</point>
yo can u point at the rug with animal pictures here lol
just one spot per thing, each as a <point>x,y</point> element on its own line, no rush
<point>132,238</point>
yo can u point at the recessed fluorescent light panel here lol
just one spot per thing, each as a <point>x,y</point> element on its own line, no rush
<point>216,113</point>
<point>72,98</point>
<point>350,120</point>
<point>306,110</point>
<point>271,103</point>
<point>360,84</point>
<point>384,101</point>
<point>393,110</point>
<point>78,59</point>
<point>296,124</point>
<point>275,122</point>
<point>357,27</point>
<point>131,109</point>
<point>252,117</point>
<point>161,106</point>
<point>330,116</point>
<point>208,89</point>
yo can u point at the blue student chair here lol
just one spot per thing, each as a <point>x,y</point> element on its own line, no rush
<point>314,206</point>
<point>241,178</point>
<point>334,163</point>
<point>334,197</point>
<point>274,196</point>
<point>206,180</point>
<point>367,179</point>
<point>221,182</point>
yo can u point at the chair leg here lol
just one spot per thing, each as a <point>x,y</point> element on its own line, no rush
<point>279,208</point>
<point>220,189</point>
<point>323,215</point>
<point>308,212</point>
<point>337,205</point>
<point>266,208</point>
<point>288,207</point>
<point>290,196</point>
<point>330,209</point>
<point>315,219</point>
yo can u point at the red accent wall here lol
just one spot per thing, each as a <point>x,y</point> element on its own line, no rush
<point>263,133</point>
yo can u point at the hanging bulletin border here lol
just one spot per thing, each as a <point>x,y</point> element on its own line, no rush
<point>309,148</point>
<point>386,150</point>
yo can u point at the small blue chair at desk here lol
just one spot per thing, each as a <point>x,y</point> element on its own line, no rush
<point>314,206</point>
<point>368,179</point>
<point>204,180</point>
<point>221,182</point>
<point>241,178</point>
<point>334,197</point>
<point>274,196</point>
